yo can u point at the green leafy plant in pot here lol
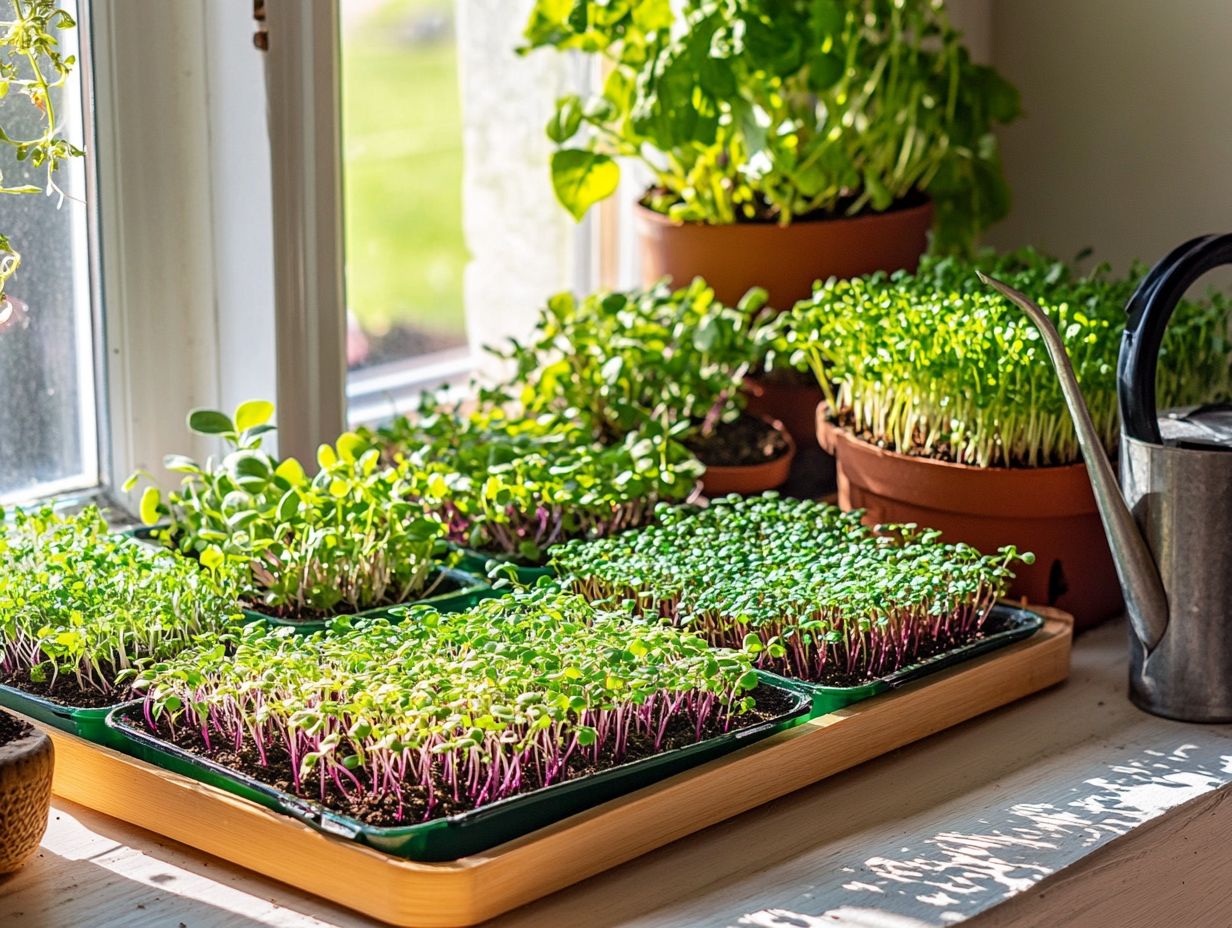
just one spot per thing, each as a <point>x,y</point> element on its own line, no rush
<point>786,142</point>
<point>942,409</point>
<point>626,362</point>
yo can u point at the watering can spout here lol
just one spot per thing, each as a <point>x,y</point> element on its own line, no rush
<point>1145,599</point>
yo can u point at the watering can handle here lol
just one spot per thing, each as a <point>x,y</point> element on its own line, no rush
<point>1147,316</point>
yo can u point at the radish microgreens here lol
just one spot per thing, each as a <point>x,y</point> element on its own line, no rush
<point>512,487</point>
<point>352,537</point>
<point>801,585</point>
<point>449,711</point>
<point>80,605</point>
<point>937,364</point>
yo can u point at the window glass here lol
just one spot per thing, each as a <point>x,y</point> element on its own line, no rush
<point>402,177</point>
<point>48,442</point>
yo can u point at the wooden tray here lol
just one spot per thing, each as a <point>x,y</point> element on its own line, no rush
<point>473,889</point>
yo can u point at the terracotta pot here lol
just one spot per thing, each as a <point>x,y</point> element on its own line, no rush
<point>785,260</point>
<point>25,796</point>
<point>793,404</point>
<point>1049,511</point>
<point>751,478</point>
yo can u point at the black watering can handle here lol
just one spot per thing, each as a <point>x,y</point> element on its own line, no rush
<point>1147,316</point>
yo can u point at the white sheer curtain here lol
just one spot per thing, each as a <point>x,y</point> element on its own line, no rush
<point>523,244</point>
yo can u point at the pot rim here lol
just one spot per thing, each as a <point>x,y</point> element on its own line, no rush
<point>32,741</point>
<point>750,469</point>
<point>906,213</point>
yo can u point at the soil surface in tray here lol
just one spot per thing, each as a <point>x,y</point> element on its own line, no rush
<point>383,812</point>
<point>11,728</point>
<point>746,441</point>
<point>66,692</point>
<point>439,585</point>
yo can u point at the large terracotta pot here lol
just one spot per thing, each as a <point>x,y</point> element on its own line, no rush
<point>1049,511</point>
<point>751,478</point>
<point>26,765</point>
<point>785,260</point>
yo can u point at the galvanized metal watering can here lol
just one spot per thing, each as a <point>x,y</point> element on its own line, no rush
<point>1169,524</point>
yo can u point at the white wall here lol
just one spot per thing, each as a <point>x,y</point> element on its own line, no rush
<point>1127,141</point>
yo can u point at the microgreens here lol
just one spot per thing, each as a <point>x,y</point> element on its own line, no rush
<point>512,487</point>
<point>455,709</point>
<point>937,364</point>
<point>622,360</point>
<point>351,537</point>
<point>81,605</point>
<point>802,585</point>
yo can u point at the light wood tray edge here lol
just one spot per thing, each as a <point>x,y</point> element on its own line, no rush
<point>468,891</point>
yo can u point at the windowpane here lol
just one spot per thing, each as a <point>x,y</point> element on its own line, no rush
<point>48,442</point>
<point>402,175</point>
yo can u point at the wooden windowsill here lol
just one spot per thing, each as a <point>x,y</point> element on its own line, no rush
<point>1070,807</point>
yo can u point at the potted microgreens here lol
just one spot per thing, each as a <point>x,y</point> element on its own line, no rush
<point>528,708</point>
<point>942,408</point>
<point>508,488</point>
<point>79,605</point>
<point>27,761</point>
<point>786,142</point>
<point>623,361</point>
<point>353,537</point>
<point>807,589</point>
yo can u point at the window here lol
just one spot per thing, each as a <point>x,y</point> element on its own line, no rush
<point>452,237</point>
<point>48,410</point>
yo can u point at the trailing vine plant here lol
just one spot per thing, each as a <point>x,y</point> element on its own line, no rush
<point>32,66</point>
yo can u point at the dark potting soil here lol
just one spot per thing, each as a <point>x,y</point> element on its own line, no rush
<point>11,728</point>
<point>440,585</point>
<point>787,377</point>
<point>746,441</point>
<point>65,693</point>
<point>382,812</point>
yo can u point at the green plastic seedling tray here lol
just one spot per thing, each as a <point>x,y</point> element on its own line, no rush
<point>470,591</point>
<point>1005,625</point>
<point>476,562</point>
<point>90,724</point>
<point>457,835</point>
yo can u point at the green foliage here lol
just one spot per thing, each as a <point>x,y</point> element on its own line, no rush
<point>352,537</point>
<point>802,586</point>
<point>480,705</point>
<point>771,110</point>
<point>80,604</point>
<point>937,364</point>
<point>31,65</point>
<point>624,361</point>
<point>513,486</point>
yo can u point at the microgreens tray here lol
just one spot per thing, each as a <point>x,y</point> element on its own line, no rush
<point>470,590</point>
<point>476,562</point>
<point>1005,625</point>
<point>90,724</point>
<point>471,832</point>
